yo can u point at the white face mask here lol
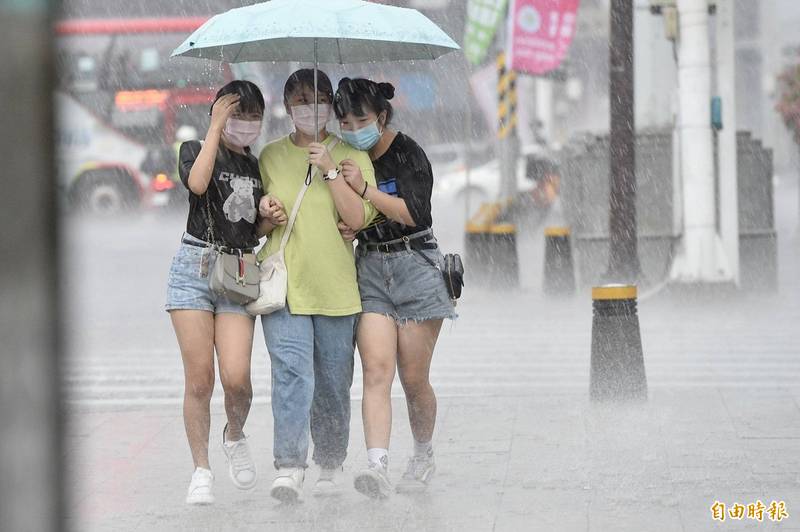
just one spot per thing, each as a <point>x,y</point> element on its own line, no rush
<point>242,132</point>
<point>303,117</point>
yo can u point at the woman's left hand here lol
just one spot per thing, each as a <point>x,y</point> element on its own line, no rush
<point>319,156</point>
<point>347,234</point>
<point>352,175</point>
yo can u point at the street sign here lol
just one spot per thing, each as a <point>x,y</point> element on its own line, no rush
<point>483,18</point>
<point>541,33</point>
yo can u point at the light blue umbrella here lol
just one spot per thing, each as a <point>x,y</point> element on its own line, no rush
<point>325,31</point>
<point>318,31</point>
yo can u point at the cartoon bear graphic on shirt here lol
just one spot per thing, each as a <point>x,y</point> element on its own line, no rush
<point>240,205</point>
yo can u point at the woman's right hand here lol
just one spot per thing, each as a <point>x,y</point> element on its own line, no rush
<point>222,110</point>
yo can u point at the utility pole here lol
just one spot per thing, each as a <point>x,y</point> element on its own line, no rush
<point>623,264</point>
<point>508,141</point>
<point>701,258</point>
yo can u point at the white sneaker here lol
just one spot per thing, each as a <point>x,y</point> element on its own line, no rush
<point>240,464</point>
<point>419,472</point>
<point>200,487</point>
<point>288,485</point>
<point>327,484</point>
<point>373,481</point>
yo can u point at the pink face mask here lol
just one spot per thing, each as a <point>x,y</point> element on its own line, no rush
<point>242,132</point>
<point>303,117</point>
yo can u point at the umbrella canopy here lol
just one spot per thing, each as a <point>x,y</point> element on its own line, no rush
<point>325,31</point>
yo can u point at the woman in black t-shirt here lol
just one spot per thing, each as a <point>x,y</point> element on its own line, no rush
<point>402,290</point>
<point>225,191</point>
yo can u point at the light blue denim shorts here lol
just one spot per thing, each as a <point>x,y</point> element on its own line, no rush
<point>403,285</point>
<point>187,287</point>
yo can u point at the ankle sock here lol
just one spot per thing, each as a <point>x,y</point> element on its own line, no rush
<point>378,456</point>
<point>423,448</point>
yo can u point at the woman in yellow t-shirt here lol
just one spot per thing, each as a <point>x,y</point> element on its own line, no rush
<point>311,342</point>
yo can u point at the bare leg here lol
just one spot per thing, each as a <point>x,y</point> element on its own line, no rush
<point>234,342</point>
<point>377,345</point>
<point>195,332</point>
<point>416,342</point>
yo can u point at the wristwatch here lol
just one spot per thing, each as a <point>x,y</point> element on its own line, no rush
<point>332,174</point>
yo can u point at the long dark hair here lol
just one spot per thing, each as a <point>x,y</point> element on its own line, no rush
<point>251,101</point>
<point>362,95</point>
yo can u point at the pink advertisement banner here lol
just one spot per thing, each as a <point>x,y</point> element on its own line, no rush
<point>540,33</point>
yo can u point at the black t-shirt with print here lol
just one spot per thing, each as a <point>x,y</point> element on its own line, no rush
<point>233,195</point>
<point>405,172</point>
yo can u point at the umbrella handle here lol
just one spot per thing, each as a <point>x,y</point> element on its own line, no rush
<point>316,94</point>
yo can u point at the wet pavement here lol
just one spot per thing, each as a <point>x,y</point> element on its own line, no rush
<point>518,444</point>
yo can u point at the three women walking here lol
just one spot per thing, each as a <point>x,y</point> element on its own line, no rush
<point>389,295</point>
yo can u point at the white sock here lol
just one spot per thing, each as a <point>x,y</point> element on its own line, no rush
<point>378,456</point>
<point>423,449</point>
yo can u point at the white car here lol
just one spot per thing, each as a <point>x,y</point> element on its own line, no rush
<point>465,192</point>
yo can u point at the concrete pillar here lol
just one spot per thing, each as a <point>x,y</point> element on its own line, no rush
<point>728,178</point>
<point>701,258</point>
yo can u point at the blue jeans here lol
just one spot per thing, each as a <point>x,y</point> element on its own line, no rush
<point>312,371</point>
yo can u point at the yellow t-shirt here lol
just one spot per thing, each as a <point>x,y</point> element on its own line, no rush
<point>320,264</point>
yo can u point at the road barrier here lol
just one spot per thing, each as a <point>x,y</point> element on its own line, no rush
<point>559,272</point>
<point>617,367</point>
<point>491,247</point>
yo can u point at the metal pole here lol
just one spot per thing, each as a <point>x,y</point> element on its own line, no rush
<point>30,391</point>
<point>623,249</point>
<point>316,95</point>
<point>508,143</point>
<point>468,149</point>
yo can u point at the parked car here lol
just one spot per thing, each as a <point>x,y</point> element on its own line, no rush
<point>466,191</point>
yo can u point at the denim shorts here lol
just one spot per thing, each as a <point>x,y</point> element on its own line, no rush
<point>403,285</point>
<point>187,288</point>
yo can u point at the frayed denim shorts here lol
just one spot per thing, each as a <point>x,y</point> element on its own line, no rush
<point>187,287</point>
<point>403,285</point>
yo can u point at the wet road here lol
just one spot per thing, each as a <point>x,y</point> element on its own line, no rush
<point>122,352</point>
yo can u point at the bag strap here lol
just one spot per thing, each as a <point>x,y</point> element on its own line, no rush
<point>299,199</point>
<point>210,236</point>
<point>209,220</point>
<point>429,261</point>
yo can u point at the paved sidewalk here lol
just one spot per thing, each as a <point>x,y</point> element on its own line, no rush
<point>543,462</point>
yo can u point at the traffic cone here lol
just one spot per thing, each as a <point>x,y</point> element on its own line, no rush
<point>559,276</point>
<point>617,371</point>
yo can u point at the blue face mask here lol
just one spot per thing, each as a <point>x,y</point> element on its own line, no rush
<point>363,139</point>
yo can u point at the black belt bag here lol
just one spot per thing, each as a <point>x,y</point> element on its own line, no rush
<point>453,273</point>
